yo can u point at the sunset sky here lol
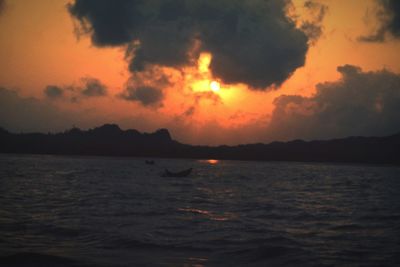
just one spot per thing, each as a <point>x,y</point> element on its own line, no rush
<point>212,72</point>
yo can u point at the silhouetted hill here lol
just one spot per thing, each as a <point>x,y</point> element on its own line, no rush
<point>110,140</point>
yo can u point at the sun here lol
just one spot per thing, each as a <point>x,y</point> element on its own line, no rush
<point>215,86</point>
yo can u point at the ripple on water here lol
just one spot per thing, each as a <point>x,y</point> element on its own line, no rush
<point>69,211</point>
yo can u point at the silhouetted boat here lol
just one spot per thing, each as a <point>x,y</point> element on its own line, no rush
<point>149,162</point>
<point>184,173</point>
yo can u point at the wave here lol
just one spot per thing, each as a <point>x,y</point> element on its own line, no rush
<point>126,243</point>
<point>270,254</point>
<point>26,259</point>
<point>347,227</point>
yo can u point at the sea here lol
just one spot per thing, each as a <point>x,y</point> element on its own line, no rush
<point>100,211</point>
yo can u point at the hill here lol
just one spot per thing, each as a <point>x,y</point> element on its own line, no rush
<point>110,140</point>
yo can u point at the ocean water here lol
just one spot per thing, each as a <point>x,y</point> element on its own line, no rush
<point>98,211</point>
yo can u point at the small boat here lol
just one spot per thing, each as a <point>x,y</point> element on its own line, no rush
<point>149,162</point>
<point>184,173</point>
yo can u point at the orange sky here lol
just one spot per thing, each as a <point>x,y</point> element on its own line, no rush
<point>38,48</point>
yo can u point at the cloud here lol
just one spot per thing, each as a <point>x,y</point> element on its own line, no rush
<point>252,42</point>
<point>365,103</point>
<point>197,97</point>
<point>312,26</point>
<point>360,103</point>
<point>53,91</point>
<point>146,95</point>
<point>31,114</point>
<point>388,16</point>
<point>147,87</point>
<point>20,114</point>
<point>87,87</point>
<point>93,87</point>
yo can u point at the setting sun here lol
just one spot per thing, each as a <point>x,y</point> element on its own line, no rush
<point>215,86</point>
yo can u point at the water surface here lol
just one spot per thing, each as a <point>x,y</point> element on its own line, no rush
<point>93,211</point>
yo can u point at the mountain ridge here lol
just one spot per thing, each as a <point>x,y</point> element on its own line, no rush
<point>111,140</point>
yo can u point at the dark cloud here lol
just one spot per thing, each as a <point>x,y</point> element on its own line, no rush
<point>154,75</point>
<point>87,87</point>
<point>146,87</point>
<point>388,16</point>
<point>361,103</point>
<point>313,27</point>
<point>252,41</point>
<point>93,87</point>
<point>146,95</point>
<point>53,91</point>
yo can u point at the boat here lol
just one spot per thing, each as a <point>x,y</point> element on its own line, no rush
<point>183,173</point>
<point>149,162</point>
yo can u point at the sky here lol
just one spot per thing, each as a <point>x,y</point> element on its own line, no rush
<point>211,72</point>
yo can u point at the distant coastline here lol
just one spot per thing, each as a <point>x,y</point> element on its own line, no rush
<point>110,140</point>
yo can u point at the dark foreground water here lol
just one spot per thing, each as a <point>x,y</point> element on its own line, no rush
<point>82,211</point>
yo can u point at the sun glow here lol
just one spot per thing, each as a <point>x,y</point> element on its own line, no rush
<point>215,86</point>
<point>212,161</point>
<point>204,62</point>
<point>202,77</point>
<point>206,99</point>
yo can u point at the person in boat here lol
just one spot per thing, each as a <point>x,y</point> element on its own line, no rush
<point>184,173</point>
